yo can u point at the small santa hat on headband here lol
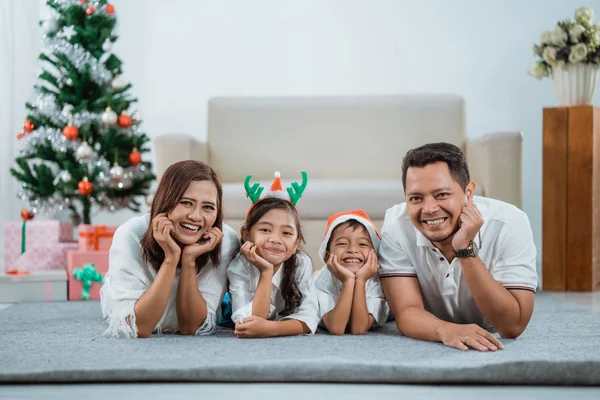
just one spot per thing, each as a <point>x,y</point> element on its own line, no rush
<point>337,219</point>
<point>292,194</point>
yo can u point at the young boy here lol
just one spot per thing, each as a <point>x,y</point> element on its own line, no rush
<point>349,290</point>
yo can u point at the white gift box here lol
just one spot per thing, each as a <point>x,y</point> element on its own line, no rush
<point>48,285</point>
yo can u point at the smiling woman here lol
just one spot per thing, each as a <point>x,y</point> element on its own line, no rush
<point>168,270</point>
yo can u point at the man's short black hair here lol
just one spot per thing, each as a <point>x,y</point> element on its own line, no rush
<point>431,153</point>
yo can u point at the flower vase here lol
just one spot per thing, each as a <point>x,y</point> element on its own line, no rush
<point>574,84</point>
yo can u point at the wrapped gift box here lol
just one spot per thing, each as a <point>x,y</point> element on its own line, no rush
<point>56,236</point>
<point>35,286</point>
<point>78,259</point>
<point>96,237</point>
<point>42,258</point>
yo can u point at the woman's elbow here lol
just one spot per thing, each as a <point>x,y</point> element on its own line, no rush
<point>143,334</point>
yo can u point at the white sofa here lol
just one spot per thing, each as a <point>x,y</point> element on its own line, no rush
<point>351,147</point>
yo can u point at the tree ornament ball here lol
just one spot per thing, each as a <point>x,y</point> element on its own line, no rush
<point>107,45</point>
<point>71,132</point>
<point>84,151</point>
<point>28,126</point>
<point>118,83</point>
<point>50,26</point>
<point>20,135</point>
<point>90,10</point>
<point>135,157</point>
<point>109,117</point>
<point>83,2</point>
<point>85,187</point>
<point>117,172</point>
<point>124,120</point>
<point>26,215</point>
<point>110,9</point>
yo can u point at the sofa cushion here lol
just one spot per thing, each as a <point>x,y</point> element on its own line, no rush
<point>324,197</point>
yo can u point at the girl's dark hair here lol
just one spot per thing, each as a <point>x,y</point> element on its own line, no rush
<point>171,188</point>
<point>432,153</point>
<point>289,287</point>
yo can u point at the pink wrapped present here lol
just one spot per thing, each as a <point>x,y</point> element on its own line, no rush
<point>44,234</point>
<point>80,276</point>
<point>96,237</point>
<point>42,258</point>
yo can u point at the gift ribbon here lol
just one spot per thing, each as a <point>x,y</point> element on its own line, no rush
<point>95,236</point>
<point>87,275</point>
<point>23,236</point>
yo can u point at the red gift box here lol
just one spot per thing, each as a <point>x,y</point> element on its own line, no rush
<point>96,237</point>
<point>44,234</point>
<point>78,259</point>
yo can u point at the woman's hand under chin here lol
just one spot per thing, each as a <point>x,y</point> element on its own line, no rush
<point>207,244</point>
<point>161,230</point>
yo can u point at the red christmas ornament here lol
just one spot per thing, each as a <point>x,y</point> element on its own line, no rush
<point>71,132</point>
<point>110,9</point>
<point>26,214</point>
<point>28,126</point>
<point>20,135</point>
<point>85,187</point>
<point>135,157</point>
<point>124,120</point>
<point>90,10</point>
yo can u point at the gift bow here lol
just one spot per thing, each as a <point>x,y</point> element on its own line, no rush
<point>95,236</point>
<point>87,275</point>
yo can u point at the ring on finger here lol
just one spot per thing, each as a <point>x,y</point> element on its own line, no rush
<point>466,339</point>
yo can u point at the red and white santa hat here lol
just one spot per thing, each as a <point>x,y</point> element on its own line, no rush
<point>339,218</point>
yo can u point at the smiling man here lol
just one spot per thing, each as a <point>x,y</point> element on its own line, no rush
<point>455,266</point>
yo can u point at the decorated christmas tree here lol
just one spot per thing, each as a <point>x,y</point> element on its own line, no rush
<point>81,145</point>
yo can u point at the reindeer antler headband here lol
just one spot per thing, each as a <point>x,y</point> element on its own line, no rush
<point>257,192</point>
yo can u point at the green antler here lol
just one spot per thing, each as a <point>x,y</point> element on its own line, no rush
<point>253,192</point>
<point>295,191</point>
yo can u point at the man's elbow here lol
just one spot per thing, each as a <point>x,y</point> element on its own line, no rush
<point>512,332</point>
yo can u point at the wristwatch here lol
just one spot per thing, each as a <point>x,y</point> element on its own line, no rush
<point>470,251</point>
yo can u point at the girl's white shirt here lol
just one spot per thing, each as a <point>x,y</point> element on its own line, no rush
<point>243,280</point>
<point>129,276</point>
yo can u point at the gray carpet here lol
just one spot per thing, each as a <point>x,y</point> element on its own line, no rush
<point>63,342</point>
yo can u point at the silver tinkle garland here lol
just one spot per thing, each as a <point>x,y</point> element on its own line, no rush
<point>78,56</point>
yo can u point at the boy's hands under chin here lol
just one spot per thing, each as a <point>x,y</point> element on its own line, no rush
<point>369,269</point>
<point>248,250</point>
<point>252,327</point>
<point>341,273</point>
<point>206,244</point>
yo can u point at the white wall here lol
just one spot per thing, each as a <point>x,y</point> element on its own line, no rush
<point>180,53</point>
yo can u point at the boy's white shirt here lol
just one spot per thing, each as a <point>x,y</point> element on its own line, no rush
<point>243,281</point>
<point>329,289</point>
<point>508,252</point>
<point>129,276</point>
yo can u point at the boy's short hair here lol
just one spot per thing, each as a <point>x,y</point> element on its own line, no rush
<point>352,224</point>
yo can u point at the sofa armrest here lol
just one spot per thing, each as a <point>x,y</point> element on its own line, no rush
<point>495,165</point>
<point>171,148</point>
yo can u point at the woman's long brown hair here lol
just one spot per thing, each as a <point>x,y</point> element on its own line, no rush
<point>171,188</point>
<point>289,287</point>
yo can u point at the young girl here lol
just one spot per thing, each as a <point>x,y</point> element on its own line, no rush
<point>167,270</point>
<point>270,281</point>
<point>349,291</point>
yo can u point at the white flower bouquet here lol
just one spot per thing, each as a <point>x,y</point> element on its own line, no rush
<point>571,42</point>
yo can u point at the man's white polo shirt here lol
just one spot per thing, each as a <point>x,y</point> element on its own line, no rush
<point>507,250</point>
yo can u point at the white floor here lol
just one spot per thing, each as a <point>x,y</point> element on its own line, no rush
<point>293,391</point>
